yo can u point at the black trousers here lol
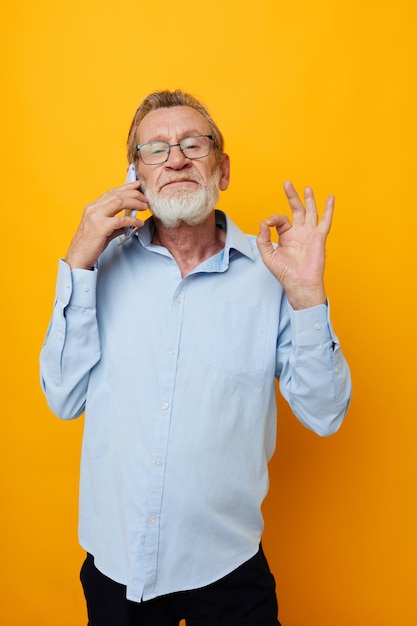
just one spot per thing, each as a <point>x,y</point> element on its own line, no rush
<point>245,597</point>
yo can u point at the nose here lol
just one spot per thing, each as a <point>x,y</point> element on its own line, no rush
<point>176,160</point>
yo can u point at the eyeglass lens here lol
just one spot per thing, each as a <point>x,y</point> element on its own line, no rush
<point>156,152</point>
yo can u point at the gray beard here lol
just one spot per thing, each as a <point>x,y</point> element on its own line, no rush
<point>190,207</point>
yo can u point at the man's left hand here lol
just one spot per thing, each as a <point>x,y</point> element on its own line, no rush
<point>298,261</point>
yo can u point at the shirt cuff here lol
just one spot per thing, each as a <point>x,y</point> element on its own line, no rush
<point>76,287</point>
<point>310,326</point>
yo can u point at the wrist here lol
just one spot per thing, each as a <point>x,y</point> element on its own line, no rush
<point>306,298</point>
<point>76,264</point>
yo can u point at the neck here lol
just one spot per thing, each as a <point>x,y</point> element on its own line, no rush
<point>190,245</point>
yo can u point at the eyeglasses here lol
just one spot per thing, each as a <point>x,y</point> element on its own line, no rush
<point>157,152</point>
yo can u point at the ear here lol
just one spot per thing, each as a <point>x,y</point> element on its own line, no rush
<point>224,172</point>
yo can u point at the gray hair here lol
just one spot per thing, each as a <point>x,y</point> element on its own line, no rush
<point>168,99</point>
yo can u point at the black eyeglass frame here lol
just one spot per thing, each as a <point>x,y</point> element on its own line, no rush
<point>173,145</point>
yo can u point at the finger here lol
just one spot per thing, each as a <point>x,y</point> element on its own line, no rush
<point>140,198</point>
<point>128,204</point>
<point>280,222</point>
<point>134,184</point>
<point>131,190</point>
<point>139,195</point>
<point>326,220</point>
<point>122,222</point>
<point>264,236</point>
<point>141,206</point>
<point>311,217</point>
<point>263,240</point>
<point>297,207</point>
<point>121,190</point>
<point>116,200</point>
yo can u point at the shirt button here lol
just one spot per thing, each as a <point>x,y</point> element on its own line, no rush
<point>68,284</point>
<point>317,326</point>
<point>158,463</point>
<point>178,300</point>
<point>86,288</point>
<point>165,406</point>
<point>171,351</point>
<point>153,520</point>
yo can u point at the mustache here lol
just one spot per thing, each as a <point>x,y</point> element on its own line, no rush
<point>172,178</point>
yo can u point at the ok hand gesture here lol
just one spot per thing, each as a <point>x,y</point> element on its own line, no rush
<point>298,261</point>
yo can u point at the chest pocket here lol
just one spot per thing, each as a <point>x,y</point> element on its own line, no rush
<point>234,337</point>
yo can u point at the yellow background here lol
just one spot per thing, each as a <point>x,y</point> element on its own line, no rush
<point>322,93</point>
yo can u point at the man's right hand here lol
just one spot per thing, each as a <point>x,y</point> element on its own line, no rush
<point>103,220</point>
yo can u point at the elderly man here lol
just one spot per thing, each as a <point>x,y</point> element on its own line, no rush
<point>169,334</point>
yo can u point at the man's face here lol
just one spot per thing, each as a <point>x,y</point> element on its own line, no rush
<point>180,189</point>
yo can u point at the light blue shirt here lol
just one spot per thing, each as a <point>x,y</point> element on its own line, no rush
<point>176,378</point>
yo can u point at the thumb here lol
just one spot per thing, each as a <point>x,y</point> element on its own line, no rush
<point>263,241</point>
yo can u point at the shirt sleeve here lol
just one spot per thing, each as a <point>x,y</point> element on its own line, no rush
<point>313,373</point>
<point>72,343</point>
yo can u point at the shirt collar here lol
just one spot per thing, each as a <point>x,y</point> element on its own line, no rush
<point>235,238</point>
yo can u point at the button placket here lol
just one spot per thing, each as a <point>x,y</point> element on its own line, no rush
<point>161,433</point>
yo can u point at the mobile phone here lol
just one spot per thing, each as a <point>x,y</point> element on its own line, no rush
<point>131,173</point>
<point>131,176</point>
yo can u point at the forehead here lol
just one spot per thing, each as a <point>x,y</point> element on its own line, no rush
<point>171,123</point>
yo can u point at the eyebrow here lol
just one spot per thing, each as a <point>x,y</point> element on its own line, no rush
<point>191,132</point>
